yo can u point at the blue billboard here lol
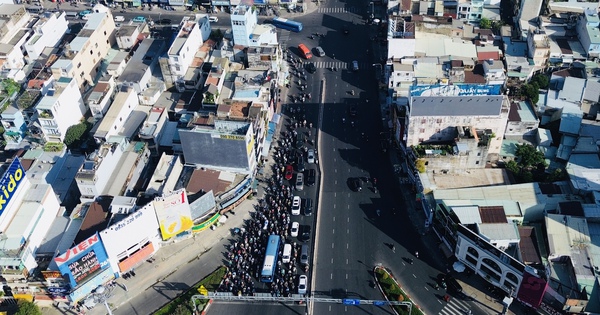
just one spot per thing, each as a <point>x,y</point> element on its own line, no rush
<point>10,182</point>
<point>455,90</point>
<point>84,261</point>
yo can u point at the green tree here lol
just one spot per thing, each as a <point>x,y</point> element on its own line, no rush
<point>528,156</point>
<point>513,167</point>
<point>27,308</point>
<point>541,80</point>
<point>10,86</point>
<point>76,133</point>
<point>531,91</point>
<point>485,24</point>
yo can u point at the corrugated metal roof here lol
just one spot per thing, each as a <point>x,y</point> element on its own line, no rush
<point>565,232</point>
<point>467,214</point>
<point>485,105</point>
<point>492,214</point>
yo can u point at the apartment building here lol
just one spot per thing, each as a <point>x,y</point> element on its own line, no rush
<point>125,102</point>
<point>100,98</point>
<point>61,108</point>
<point>47,32</point>
<point>538,46</point>
<point>13,18</point>
<point>14,125</point>
<point>243,21</point>
<point>13,34</point>
<point>192,33</point>
<point>82,56</point>
<point>588,32</point>
<point>94,175</point>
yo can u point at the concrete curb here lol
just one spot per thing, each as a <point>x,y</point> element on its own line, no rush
<point>205,310</point>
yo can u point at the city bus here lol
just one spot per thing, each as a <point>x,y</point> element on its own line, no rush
<point>270,263</point>
<point>287,24</point>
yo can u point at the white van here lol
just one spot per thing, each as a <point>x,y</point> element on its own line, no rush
<point>287,253</point>
<point>213,19</point>
<point>119,18</point>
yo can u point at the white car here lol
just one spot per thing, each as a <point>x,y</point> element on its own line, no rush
<point>302,283</point>
<point>295,228</point>
<point>296,205</point>
<point>213,19</point>
<point>354,65</point>
<point>310,157</point>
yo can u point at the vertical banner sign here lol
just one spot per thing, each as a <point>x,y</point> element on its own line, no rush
<point>174,213</point>
<point>10,182</point>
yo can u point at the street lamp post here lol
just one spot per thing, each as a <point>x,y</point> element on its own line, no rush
<point>101,295</point>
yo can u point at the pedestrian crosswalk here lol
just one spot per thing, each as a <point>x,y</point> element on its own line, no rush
<point>455,307</point>
<point>339,65</point>
<point>338,10</point>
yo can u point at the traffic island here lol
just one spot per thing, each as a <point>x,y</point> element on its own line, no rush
<point>182,304</point>
<point>392,291</point>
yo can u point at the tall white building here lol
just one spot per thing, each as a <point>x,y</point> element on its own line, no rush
<point>243,21</point>
<point>61,108</point>
<point>47,32</point>
<point>192,33</point>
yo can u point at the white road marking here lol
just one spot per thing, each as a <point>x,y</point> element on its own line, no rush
<point>331,276</point>
<point>346,276</point>
<point>347,245</point>
<point>333,219</point>
<point>347,231</point>
<point>332,260</point>
<point>346,264</point>
<point>333,231</point>
<point>414,276</point>
<point>332,245</point>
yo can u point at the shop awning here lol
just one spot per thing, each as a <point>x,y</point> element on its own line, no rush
<point>276,118</point>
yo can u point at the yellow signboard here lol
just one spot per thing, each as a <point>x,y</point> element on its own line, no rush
<point>26,297</point>
<point>202,290</point>
<point>232,137</point>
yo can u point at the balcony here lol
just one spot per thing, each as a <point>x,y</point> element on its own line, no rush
<point>46,114</point>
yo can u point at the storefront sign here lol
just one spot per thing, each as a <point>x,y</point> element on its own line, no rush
<point>10,182</point>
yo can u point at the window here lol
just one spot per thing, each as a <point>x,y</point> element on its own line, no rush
<point>98,54</point>
<point>177,68</point>
<point>104,35</point>
<point>81,74</point>
<point>422,130</point>
<point>176,59</point>
<point>91,52</point>
<point>107,41</point>
<point>120,118</point>
<point>79,65</point>
<point>492,265</point>
<point>511,276</point>
<point>96,45</point>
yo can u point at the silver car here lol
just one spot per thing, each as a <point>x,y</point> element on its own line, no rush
<point>354,65</point>
<point>320,51</point>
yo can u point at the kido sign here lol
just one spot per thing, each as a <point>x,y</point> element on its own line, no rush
<point>10,182</point>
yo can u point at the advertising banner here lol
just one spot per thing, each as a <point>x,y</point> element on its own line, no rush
<point>10,182</point>
<point>455,90</point>
<point>174,213</point>
<point>84,261</point>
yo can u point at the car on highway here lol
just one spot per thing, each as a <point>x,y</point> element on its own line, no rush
<point>139,19</point>
<point>319,51</point>
<point>213,19</point>
<point>310,156</point>
<point>300,163</point>
<point>305,235</point>
<point>296,203</point>
<point>84,13</point>
<point>354,65</point>
<point>355,183</point>
<point>302,283</point>
<point>289,172</point>
<point>295,228</point>
<point>308,207</point>
<point>299,181</point>
<point>165,21</point>
<point>311,177</point>
<point>310,67</point>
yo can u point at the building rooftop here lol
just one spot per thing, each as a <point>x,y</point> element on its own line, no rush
<point>456,106</point>
<point>96,219</point>
<point>521,111</point>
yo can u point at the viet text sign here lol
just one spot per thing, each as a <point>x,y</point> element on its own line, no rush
<point>10,182</point>
<point>173,213</point>
<point>83,261</point>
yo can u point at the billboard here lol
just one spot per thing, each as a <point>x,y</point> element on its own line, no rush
<point>10,182</point>
<point>455,90</point>
<point>83,261</point>
<point>173,213</point>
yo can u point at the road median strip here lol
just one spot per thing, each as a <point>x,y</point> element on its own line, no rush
<point>392,291</point>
